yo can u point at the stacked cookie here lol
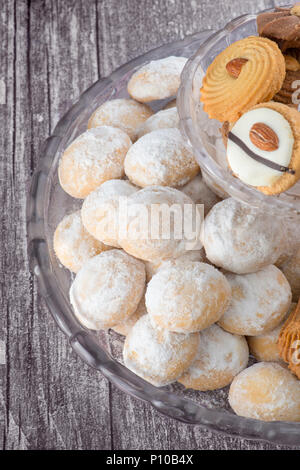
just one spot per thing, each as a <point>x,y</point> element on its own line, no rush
<point>186,312</point>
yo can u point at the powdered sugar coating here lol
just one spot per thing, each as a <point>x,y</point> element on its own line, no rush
<point>95,156</point>
<point>161,157</point>
<point>291,241</point>
<point>167,118</point>
<point>107,289</point>
<point>158,246</point>
<point>157,80</point>
<point>291,270</point>
<point>100,210</point>
<point>73,245</point>
<point>200,193</point>
<point>241,239</point>
<point>153,267</point>
<point>264,347</point>
<point>187,297</point>
<point>266,391</point>
<point>125,327</point>
<point>220,357</point>
<point>259,302</point>
<point>157,355</point>
<point>125,114</point>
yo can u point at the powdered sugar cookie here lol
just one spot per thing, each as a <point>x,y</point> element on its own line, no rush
<point>100,210</point>
<point>264,347</point>
<point>125,114</point>
<point>259,302</point>
<point>107,289</point>
<point>157,355</point>
<point>162,158</point>
<point>149,236</point>
<point>73,245</point>
<point>153,267</point>
<point>200,193</point>
<point>164,119</point>
<point>291,270</point>
<point>187,297</point>
<point>266,391</point>
<point>220,357</point>
<point>241,239</point>
<point>214,187</point>
<point>125,327</point>
<point>157,80</point>
<point>95,156</point>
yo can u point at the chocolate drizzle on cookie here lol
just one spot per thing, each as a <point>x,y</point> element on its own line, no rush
<point>264,161</point>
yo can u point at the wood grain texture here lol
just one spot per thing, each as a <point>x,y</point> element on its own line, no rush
<point>50,52</point>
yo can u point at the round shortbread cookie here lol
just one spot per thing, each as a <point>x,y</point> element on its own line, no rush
<point>259,302</point>
<point>73,245</point>
<point>125,114</point>
<point>101,210</point>
<point>157,80</point>
<point>187,297</point>
<point>241,239</point>
<point>220,357</point>
<point>266,391</point>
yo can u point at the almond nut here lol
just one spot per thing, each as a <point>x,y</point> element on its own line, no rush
<point>295,10</point>
<point>234,67</point>
<point>263,137</point>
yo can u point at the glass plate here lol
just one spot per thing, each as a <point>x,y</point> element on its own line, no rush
<point>48,203</point>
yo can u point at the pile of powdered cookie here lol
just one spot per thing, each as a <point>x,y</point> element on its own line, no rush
<point>190,314</point>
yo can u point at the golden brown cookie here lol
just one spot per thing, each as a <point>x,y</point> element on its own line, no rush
<point>248,72</point>
<point>263,147</point>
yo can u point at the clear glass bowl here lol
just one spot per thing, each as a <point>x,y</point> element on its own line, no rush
<point>204,133</point>
<point>48,203</point>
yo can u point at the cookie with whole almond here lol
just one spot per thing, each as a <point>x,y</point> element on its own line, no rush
<point>263,147</point>
<point>248,72</point>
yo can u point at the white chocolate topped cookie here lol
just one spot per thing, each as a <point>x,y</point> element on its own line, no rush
<point>157,80</point>
<point>158,355</point>
<point>126,114</point>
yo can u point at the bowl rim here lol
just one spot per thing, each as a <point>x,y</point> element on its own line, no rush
<point>234,186</point>
<point>83,341</point>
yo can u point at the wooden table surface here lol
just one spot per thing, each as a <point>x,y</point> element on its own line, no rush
<point>50,52</point>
